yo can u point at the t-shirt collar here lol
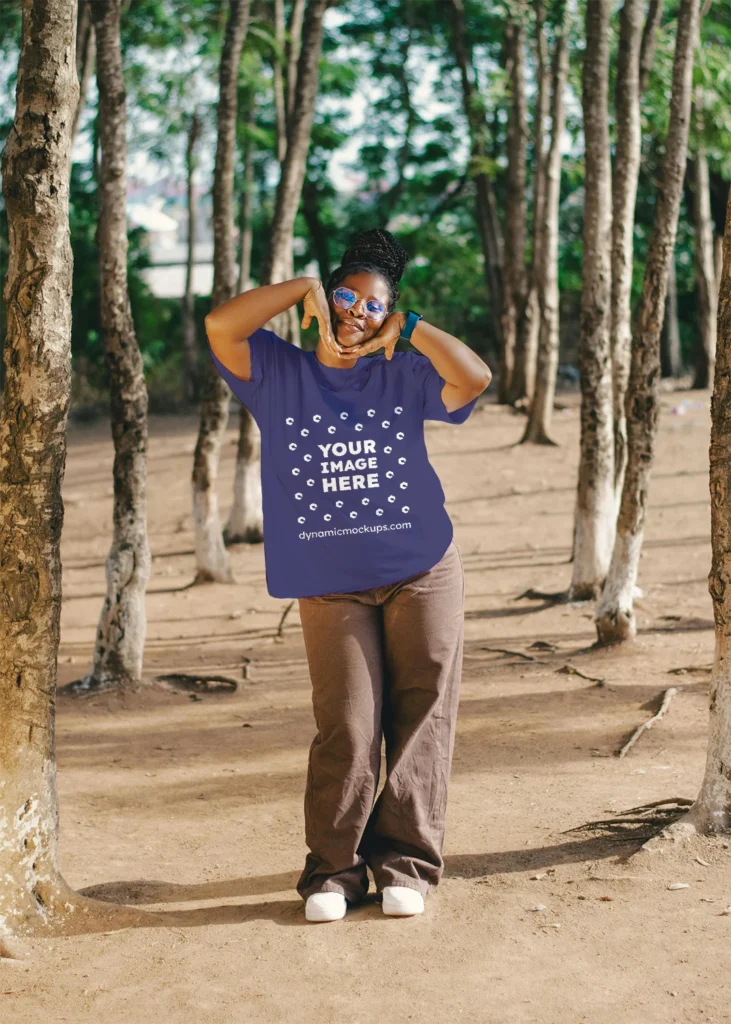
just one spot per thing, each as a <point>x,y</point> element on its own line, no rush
<point>337,378</point>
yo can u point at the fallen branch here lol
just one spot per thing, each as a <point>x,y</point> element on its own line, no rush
<point>280,627</point>
<point>569,670</point>
<point>502,650</point>
<point>689,668</point>
<point>555,597</point>
<point>666,698</point>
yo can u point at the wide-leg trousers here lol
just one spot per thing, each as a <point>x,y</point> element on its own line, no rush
<point>385,664</point>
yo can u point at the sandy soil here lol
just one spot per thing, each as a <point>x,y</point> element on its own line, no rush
<point>193,807</point>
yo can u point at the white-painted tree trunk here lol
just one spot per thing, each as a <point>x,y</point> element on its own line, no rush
<point>34,897</point>
<point>595,505</point>
<point>615,611</point>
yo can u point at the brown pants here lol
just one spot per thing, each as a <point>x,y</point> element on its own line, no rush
<point>385,662</point>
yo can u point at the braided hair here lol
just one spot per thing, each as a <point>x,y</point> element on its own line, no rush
<point>377,252</point>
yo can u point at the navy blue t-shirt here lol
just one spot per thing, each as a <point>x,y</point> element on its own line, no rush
<point>350,499</point>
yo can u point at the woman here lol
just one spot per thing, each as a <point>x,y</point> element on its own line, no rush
<point>356,529</point>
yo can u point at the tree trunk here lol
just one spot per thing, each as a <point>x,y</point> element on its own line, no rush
<point>85,54</point>
<point>36,161</point>
<point>538,430</point>
<point>488,223</point>
<point>624,198</point>
<point>515,282</point>
<point>278,261</point>
<point>595,505</point>
<point>711,812</point>
<point>293,48</point>
<point>190,341</point>
<point>615,619</point>
<point>246,203</point>
<point>318,234</point>
<point>245,523</point>
<point>705,273</point>
<point>278,83</point>
<point>212,561</point>
<point>670,361</point>
<point>529,324</point>
<point>122,628</point>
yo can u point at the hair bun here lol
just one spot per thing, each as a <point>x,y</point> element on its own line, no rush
<point>379,248</point>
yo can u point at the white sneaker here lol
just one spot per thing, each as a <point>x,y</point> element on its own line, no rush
<point>401,901</point>
<point>325,906</point>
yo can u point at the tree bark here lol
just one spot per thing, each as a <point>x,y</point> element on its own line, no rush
<point>122,628</point>
<point>190,341</point>
<point>212,561</point>
<point>595,505</point>
<point>36,161</point>
<point>670,362</point>
<point>85,54</point>
<point>705,270</point>
<point>318,233</point>
<point>615,618</point>
<point>512,382</point>
<point>538,430</point>
<point>624,198</point>
<point>246,203</point>
<point>711,811</point>
<point>278,259</point>
<point>488,223</point>
<point>529,324</point>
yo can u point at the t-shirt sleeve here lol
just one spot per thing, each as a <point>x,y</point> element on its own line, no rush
<point>431,383</point>
<point>253,393</point>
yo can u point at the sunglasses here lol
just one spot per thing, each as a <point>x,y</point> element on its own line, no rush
<point>346,297</point>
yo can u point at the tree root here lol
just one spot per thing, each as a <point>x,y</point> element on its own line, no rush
<point>632,825</point>
<point>667,696</point>
<point>199,683</point>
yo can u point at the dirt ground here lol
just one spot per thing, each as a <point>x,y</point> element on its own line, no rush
<point>193,807</point>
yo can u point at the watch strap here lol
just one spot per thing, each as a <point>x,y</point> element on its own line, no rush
<point>412,319</point>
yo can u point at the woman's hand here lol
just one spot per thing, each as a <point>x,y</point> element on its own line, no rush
<point>386,337</point>
<point>315,304</point>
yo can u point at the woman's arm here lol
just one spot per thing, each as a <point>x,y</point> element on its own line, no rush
<point>229,325</point>
<point>466,375</point>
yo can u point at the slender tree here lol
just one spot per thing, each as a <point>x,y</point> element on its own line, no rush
<point>633,45</point>
<point>711,811</point>
<point>524,377</point>
<point>515,281</point>
<point>85,55</point>
<point>705,272</point>
<point>36,160</point>
<point>615,619</point>
<point>246,520</point>
<point>488,222</point>
<point>190,339</point>
<point>212,561</point>
<point>595,505</point>
<point>122,628</point>
<point>538,429</point>
<point>670,362</point>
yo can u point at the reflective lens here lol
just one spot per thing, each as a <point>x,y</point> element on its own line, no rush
<point>346,297</point>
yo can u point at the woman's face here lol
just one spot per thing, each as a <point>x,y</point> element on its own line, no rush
<point>352,326</point>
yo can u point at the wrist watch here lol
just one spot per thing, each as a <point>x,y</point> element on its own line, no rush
<point>410,323</point>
